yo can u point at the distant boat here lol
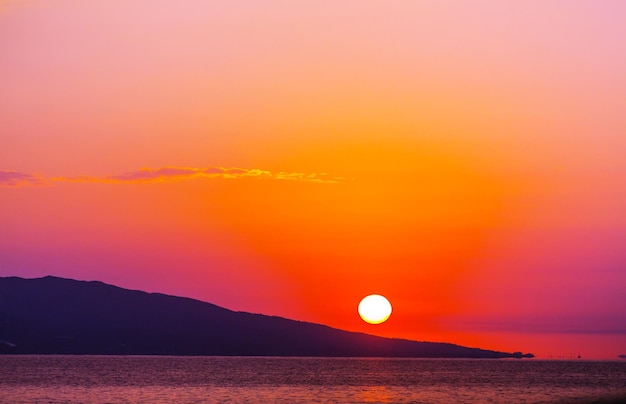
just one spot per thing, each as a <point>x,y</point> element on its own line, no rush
<point>621,356</point>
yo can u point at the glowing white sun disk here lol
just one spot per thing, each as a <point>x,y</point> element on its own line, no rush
<point>374,309</point>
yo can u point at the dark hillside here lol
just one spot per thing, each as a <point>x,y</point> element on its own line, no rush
<point>62,316</point>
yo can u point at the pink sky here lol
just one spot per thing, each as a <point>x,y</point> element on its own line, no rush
<point>463,158</point>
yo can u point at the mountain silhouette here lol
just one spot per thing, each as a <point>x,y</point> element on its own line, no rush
<point>53,315</point>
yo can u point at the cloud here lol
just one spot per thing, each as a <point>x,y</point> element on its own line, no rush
<point>172,174</point>
<point>151,175</point>
<point>182,173</point>
<point>316,177</point>
<point>10,178</point>
<point>163,174</point>
<point>598,323</point>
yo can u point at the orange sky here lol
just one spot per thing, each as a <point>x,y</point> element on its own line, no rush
<point>464,159</point>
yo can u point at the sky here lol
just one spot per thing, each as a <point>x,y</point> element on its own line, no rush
<point>465,159</point>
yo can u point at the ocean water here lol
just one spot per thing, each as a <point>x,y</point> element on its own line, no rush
<point>150,379</point>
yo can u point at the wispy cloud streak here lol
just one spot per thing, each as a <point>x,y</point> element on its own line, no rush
<point>172,174</point>
<point>182,173</point>
<point>10,178</point>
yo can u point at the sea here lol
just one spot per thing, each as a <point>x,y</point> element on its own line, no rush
<point>172,379</point>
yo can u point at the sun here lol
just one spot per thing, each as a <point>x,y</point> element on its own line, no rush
<point>374,309</point>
